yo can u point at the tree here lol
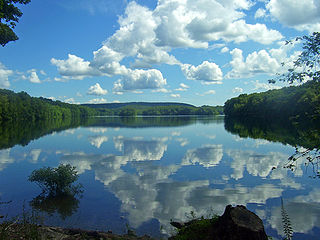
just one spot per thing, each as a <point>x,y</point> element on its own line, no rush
<point>307,66</point>
<point>10,14</point>
<point>58,180</point>
<point>128,112</point>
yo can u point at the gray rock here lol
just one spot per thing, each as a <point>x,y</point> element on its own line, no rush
<point>238,223</point>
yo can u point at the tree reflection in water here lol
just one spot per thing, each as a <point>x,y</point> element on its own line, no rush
<point>63,204</point>
<point>303,136</point>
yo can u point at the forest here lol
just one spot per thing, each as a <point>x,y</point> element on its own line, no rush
<point>296,103</point>
<point>15,107</point>
<point>153,109</point>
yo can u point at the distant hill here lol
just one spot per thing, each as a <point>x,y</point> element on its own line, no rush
<point>136,105</point>
<point>152,109</point>
<point>22,107</point>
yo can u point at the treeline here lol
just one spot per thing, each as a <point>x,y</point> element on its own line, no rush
<point>22,107</point>
<point>16,107</point>
<point>295,103</point>
<point>135,104</point>
<point>134,110</point>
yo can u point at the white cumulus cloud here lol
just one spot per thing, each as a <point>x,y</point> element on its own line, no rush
<point>4,76</point>
<point>74,67</point>
<point>183,87</point>
<point>260,13</point>
<point>175,95</point>
<point>196,23</point>
<point>71,101</point>
<point>261,62</point>
<point>97,100</point>
<point>147,37</point>
<point>209,92</point>
<point>263,86</point>
<point>140,79</point>
<point>96,90</point>
<point>237,90</point>
<point>301,15</point>
<point>207,72</point>
<point>161,90</point>
<point>34,78</point>
<point>224,50</point>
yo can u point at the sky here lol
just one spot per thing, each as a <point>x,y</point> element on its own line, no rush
<point>201,52</point>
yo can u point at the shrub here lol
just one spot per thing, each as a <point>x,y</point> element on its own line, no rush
<point>58,180</point>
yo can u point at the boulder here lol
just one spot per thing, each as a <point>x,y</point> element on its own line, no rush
<point>238,223</point>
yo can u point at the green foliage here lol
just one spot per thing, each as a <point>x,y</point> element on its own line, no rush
<point>10,14</point>
<point>24,226</point>
<point>128,112</point>
<point>308,63</point>
<point>20,107</point>
<point>299,102</point>
<point>182,110</point>
<point>56,181</point>
<point>6,34</point>
<point>17,107</point>
<point>153,109</point>
<point>196,229</point>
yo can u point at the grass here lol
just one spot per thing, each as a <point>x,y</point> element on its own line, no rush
<point>23,227</point>
<point>198,229</point>
<point>28,226</point>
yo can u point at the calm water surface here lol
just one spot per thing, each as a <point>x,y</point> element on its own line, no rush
<point>142,175</point>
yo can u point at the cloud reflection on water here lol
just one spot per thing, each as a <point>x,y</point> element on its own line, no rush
<point>303,212</point>
<point>98,140</point>
<point>5,158</point>
<point>207,156</point>
<point>139,149</point>
<point>261,165</point>
<point>150,192</point>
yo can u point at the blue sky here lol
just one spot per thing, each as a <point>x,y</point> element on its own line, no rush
<point>193,51</point>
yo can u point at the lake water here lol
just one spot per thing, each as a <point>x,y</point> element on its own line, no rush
<point>141,173</point>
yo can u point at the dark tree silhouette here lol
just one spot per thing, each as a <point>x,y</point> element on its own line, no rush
<point>306,67</point>
<point>9,16</point>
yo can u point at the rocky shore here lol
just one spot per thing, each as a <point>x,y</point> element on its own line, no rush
<point>237,223</point>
